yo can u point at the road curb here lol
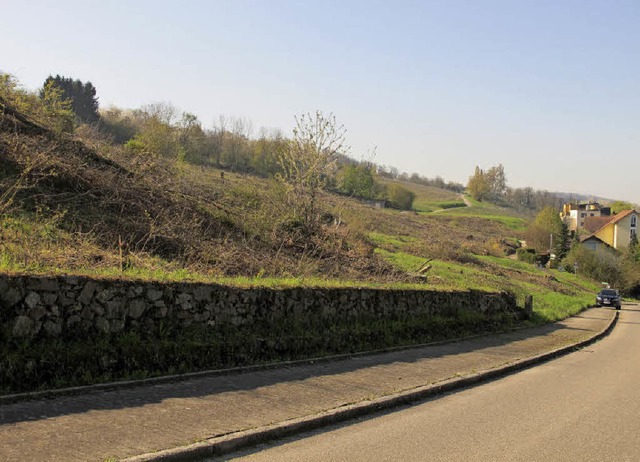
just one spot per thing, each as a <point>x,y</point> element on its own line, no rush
<point>224,444</point>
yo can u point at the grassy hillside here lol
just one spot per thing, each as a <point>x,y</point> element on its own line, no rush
<point>83,205</point>
<point>429,198</point>
<point>513,219</point>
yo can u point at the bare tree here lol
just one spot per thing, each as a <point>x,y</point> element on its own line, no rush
<point>309,160</point>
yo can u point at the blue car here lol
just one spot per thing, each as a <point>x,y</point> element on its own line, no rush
<point>609,297</point>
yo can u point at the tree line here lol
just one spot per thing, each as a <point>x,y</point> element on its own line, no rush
<point>231,143</point>
<point>491,186</point>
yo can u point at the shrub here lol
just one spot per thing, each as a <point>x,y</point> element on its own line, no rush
<point>526,255</point>
<point>600,266</point>
<point>400,197</point>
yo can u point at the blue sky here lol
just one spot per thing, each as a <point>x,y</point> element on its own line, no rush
<point>550,89</point>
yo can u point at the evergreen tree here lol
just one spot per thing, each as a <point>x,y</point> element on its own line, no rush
<point>84,101</point>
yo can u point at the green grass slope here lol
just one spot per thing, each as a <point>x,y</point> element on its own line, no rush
<point>85,206</point>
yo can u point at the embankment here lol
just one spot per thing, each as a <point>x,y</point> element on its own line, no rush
<point>65,331</point>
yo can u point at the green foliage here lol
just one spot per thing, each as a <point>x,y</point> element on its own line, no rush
<point>12,94</point>
<point>526,255</point>
<point>619,206</point>
<point>156,135</point>
<point>490,185</point>
<point>449,204</point>
<point>82,97</point>
<point>400,197</point>
<point>497,181</point>
<point>606,266</point>
<point>546,227</point>
<point>58,113</point>
<point>359,181</point>
<point>25,102</point>
<point>49,109</point>
<point>135,146</point>
<point>265,154</point>
<point>120,124</point>
<point>633,251</point>
<point>549,220</point>
<point>391,242</point>
<point>631,268</point>
<point>308,162</point>
<point>507,217</point>
<point>478,185</point>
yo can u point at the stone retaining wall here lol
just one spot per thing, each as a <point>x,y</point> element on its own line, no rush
<point>50,306</point>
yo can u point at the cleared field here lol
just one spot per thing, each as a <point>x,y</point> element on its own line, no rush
<point>429,198</point>
<point>513,219</point>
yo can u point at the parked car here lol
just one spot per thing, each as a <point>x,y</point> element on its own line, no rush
<point>609,297</point>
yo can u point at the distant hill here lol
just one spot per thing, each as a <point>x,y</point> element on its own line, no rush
<point>567,197</point>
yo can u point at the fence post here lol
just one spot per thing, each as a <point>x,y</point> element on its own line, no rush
<point>528,306</point>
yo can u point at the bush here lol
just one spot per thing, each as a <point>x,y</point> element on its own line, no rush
<point>400,197</point>
<point>600,266</point>
<point>526,255</point>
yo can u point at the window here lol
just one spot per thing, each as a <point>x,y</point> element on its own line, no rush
<point>591,214</point>
<point>582,215</point>
<point>633,221</point>
<point>590,245</point>
<point>633,233</point>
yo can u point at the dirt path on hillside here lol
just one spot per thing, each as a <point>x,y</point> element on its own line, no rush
<point>467,202</point>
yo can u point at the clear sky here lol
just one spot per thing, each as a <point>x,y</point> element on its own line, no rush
<point>548,88</point>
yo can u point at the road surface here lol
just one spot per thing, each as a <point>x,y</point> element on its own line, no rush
<point>584,406</point>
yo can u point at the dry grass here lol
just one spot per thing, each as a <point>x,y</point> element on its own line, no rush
<point>106,207</point>
<point>86,206</point>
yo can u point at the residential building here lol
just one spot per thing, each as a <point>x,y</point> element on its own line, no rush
<point>615,231</point>
<point>574,214</point>
<point>596,245</point>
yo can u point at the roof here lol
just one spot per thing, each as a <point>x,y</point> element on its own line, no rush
<point>610,220</point>
<point>593,224</point>
<point>620,215</point>
<point>584,205</point>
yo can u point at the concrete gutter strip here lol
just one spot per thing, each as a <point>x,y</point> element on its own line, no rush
<point>225,444</point>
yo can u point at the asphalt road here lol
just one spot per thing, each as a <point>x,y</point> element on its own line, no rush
<point>584,406</point>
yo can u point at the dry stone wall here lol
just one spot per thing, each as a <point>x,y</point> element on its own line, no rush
<point>52,306</point>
